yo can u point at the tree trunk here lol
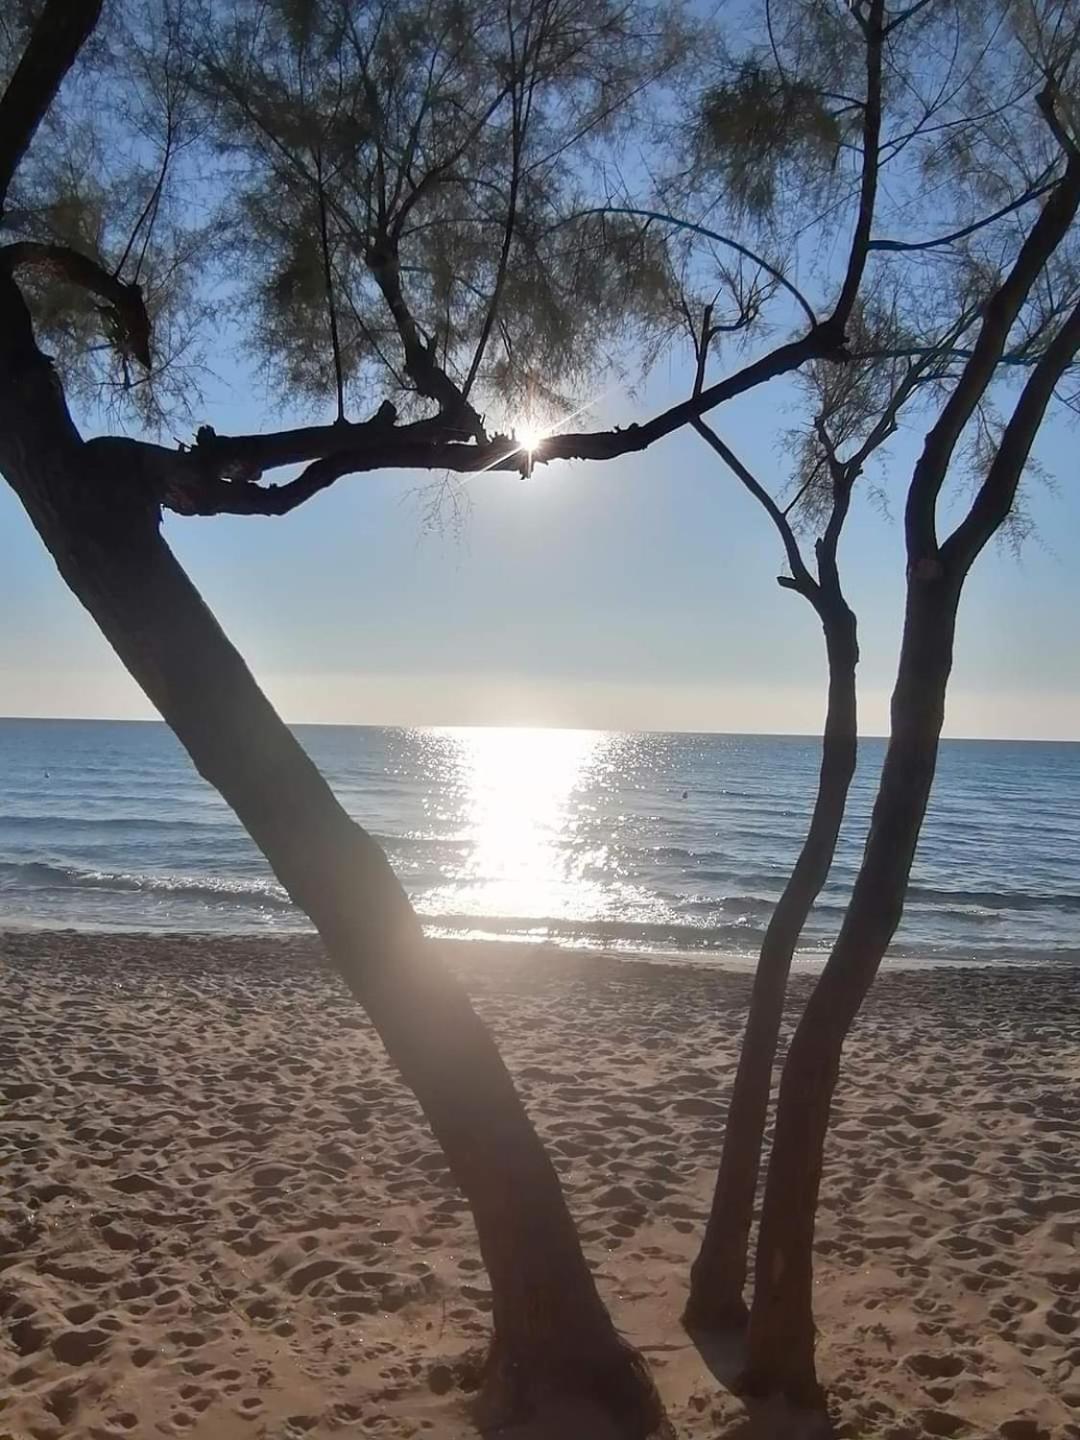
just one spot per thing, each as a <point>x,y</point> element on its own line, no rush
<point>718,1274</point>
<point>99,516</point>
<point>780,1347</point>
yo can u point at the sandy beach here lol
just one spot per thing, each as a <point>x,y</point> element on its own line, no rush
<point>222,1214</point>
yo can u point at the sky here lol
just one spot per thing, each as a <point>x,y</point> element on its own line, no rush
<point>634,594</point>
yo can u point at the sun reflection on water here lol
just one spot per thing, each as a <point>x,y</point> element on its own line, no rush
<point>518,792</point>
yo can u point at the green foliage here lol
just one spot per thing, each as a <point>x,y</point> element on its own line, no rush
<point>427,174</point>
<point>453,142</point>
<point>763,129</point>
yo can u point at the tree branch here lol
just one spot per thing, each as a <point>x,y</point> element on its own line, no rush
<point>328,282</point>
<point>740,249</point>
<point>125,302</point>
<point>521,108</point>
<point>60,33</point>
<point>905,15</point>
<point>1035,193</point>
<point>999,316</point>
<point>871,146</point>
<point>995,497</point>
<point>421,366</point>
<point>1046,101</point>
<point>801,578</point>
<point>436,445</point>
<point>247,457</point>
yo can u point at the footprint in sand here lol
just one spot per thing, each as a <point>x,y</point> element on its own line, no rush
<point>935,1367</point>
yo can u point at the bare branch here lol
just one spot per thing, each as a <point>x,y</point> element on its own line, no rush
<point>695,229</point>
<point>702,340</point>
<point>905,15</point>
<point>436,444</point>
<point>1036,192</point>
<point>802,580</point>
<point>995,497</point>
<point>999,315</point>
<point>871,147</point>
<point>521,109</point>
<point>328,281</point>
<point>1046,100</point>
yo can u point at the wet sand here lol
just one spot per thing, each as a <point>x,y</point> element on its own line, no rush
<point>222,1215</point>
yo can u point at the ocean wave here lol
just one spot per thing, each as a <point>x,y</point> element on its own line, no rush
<point>993,899</point>
<point>38,875</point>
<point>742,904</point>
<point>124,823</point>
<point>643,934</point>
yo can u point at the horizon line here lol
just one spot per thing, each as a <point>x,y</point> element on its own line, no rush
<point>519,725</point>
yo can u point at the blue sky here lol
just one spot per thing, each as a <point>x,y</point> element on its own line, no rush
<point>633,594</point>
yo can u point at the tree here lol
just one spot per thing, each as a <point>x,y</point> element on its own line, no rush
<point>99,245</point>
<point>718,1275</point>
<point>1021,309</point>
<point>806,120</point>
<point>857,408</point>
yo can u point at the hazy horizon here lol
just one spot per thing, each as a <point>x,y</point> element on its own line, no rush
<point>450,725</point>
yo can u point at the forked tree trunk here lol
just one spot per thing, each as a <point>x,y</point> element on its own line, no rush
<point>99,518</point>
<point>718,1275</point>
<point>780,1344</point>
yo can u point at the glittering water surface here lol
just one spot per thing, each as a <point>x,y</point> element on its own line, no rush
<point>632,841</point>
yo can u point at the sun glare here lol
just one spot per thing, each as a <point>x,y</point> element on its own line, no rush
<point>529,436</point>
<point>517,809</point>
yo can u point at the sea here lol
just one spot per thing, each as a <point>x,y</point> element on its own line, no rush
<point>632,842</point>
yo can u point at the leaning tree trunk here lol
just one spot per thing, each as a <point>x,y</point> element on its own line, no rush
<point>718,1275</point>
<point>100,519</point>
<point>780,1344</point>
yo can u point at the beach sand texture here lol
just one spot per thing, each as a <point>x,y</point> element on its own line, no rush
<point>223,1216</point>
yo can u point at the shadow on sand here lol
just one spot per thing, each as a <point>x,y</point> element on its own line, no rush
<point>769,1419</point>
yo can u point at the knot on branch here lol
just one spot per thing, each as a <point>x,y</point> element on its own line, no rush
<point>221,459</point>
<point>832,341</point>
<point>927,569</point>
<point>132,323</point>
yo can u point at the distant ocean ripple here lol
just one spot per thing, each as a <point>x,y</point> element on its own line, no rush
<point>636,842</point>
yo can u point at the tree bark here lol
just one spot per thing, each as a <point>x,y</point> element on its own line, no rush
<point>718,1275</point>
<point>99,516</point>
<point>780,1344</point>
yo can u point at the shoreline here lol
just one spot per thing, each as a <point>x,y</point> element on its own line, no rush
<point>807,964</point>
<point>224,1215</point>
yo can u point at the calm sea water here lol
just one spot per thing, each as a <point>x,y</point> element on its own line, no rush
<point>627,841</point>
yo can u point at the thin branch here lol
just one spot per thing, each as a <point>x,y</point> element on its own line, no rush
<point>1046,101</point>
<point>995,497</point>
<point>708,234</point>
<point>871,146</point>
<point>701,340</point>
<point>438,173</point>
<point>150,209</point>
<point>1035,193</point>
<point>804,581</point>
<point>328,280</point>
<point>518,126</point>
<point>803,488</point>
<point>999,316</point>
<point>905,15</point>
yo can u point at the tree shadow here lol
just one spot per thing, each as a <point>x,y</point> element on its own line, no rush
<point>771,1418</point>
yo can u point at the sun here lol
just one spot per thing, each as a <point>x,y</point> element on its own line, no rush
<point>529,436</point>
